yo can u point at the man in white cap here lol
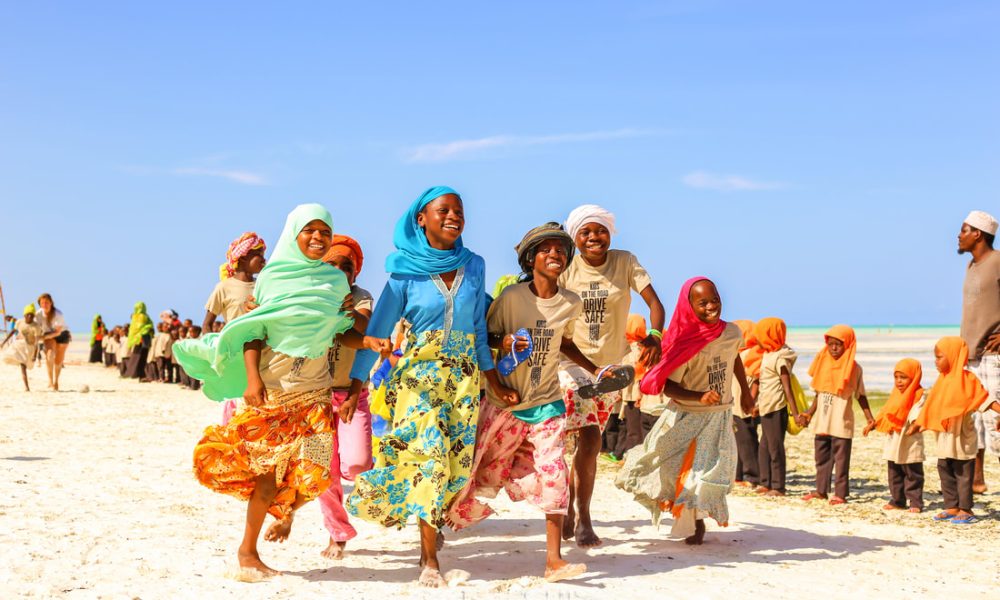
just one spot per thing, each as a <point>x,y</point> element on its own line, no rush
<point>981,324</point>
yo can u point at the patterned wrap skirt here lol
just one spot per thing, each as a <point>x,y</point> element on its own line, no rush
<point>686,465</point>
<point>425,457</point>
<point>292,435</point>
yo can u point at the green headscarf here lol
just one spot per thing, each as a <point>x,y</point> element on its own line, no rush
<point>141,325</point>
<point>298,314</point>
<point>95,328</point>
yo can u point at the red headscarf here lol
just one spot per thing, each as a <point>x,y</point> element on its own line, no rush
<point>346,246</point>
<point>686,336</point>
<point>239,248</point>
<point>893,415</point>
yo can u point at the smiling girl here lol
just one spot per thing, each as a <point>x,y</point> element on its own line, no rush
<point>275,451</point>
<point>687,462</point>
<point>604,279</point>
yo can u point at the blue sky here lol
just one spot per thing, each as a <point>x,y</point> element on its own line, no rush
<point>816,161</point>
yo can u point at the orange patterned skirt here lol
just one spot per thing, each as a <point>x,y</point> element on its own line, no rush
<point>291,435</point>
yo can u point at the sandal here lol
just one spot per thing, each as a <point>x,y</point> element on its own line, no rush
<point>944,516</point>
<point>966,520</point>
<point>621,377</point>
<point>837,500</point>
<point>511,361</point>
<point>813,496</point>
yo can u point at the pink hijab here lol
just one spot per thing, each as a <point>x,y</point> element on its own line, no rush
<point>685,337</point>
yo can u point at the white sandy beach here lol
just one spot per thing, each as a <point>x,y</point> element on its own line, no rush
<point>97,500</point>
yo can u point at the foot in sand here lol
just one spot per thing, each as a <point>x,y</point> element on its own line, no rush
<point>558,571</point>
<point>891,506</point>
<point>250,561</point>
<point>279,530</point>
<point>431,578</point>
<point>774,493</point>
<point>761,489</point>
<point>585,536</point>
<point>979,488</point>
<point>699,534</point>
<point>569,525</point>
<point>335,551</point>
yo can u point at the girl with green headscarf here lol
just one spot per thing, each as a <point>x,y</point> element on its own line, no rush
<point>97,333</point>
<point>140,337</point>
<point>275,451</point>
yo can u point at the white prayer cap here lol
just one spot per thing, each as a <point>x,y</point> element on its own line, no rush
<point>589,213</point>
<point>982,221</point>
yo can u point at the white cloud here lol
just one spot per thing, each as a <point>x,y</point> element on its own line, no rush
<point>703,180</point>
<point>459,149</point>
<point>234,175</point>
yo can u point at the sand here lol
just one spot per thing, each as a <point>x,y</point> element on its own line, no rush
<point>97,500</point>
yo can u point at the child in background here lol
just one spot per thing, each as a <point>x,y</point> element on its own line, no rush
<point>520,447</point>
<point>124,351</point>
<point>745,424</point>
<point>687,461</point>
<point>24,350</point>
<point>193,333</point>
<point>956,396</point>
<point>837,381</point>
<point>176,334</point>
<point>167,364</point>
<point>775,400</point>
<point>624,430</point>
<point>903,451</point>
<point>152,372</point>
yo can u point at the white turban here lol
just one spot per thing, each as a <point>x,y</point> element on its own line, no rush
<point>589,213</point>
<point>982,221</point>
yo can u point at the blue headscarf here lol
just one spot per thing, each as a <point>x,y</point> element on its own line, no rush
<point>413,255</point>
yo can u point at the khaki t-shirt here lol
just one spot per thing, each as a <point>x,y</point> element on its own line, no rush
<point>606,292</point>
<point>549,320</point>
<point>770,392</point>
<point>228,298</point>
<point>834,414</point>
<point>981,303</point>
<point>905,449</point>
<point>342,357</point>
<point>961,442</point>
<point>290,374</point>
<point>710,369</point>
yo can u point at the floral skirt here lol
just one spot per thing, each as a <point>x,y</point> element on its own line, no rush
<point>425,457</point>
<point>685,465</point>
<point>525,459</point>
<point>292,435</point>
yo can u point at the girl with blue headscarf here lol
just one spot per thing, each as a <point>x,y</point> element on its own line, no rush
<point>275,451</point>
<point>438,286</point>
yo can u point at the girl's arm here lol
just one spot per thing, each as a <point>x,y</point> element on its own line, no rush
<point>651,347</point>
<point>209,321</point>
<point>747,398</point>
<point>352,339</point>
<point>255,394</point>
<point>674,390</point>
<point>569,348</point>
<point>350,404</point>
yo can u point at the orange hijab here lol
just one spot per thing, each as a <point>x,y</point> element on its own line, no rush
<point>346,246</point>
<point>893,415</point>
<point>770,333</point>
<point>829,375</point>
<point>635,331</point>
<point>753,355</point>
<point>956,392</point>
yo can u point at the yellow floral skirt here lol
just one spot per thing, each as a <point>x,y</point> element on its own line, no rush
<point>425,458</point>
<point>292,435</point>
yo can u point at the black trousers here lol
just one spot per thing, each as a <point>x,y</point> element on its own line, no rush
<point>747,446</point>
<point>956,482</point>
<point>646,422</point>
<point>613,437</point>
<point>771,462</point>
<point>833,459</point>
<point>633,427</point>
<point>906,482</point>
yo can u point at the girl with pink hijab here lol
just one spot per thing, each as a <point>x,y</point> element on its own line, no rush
<point>687,462</point>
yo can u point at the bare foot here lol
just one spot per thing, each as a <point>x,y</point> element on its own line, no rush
<point>279,530</point>
<point>699,534</point>
<point>569,525</point>
<point>557,571</point>
<point>743,483</point>
<point>761,490</point>
<point>335,551</point>
<point>891,506</point>
<point>585,536</point>
<point>774,493</point>
<point>251,561</point>
<point>979,488</point>
<point>915,509</point>
<point>431,577</point>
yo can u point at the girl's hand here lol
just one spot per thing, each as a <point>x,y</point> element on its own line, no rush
<point>256,394</point>
<point>248,305</point>
<point>802,419</point>
<point>868,428</point>
<point>347,409</point>
<point>394,360</point>
<point>380,345</point>
<point>913,430</point>
<point>748,406</point>
<point>348,305</point>
<point>756,411</point>
<point>514,341</point>
<point>506,394</point>
<point>710,397</point>
<point>651,349</point>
